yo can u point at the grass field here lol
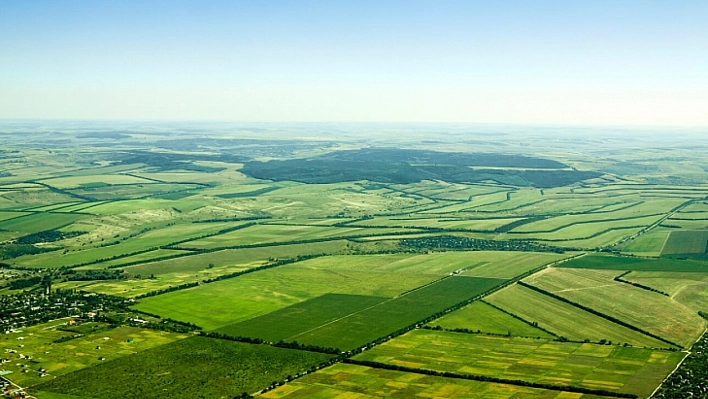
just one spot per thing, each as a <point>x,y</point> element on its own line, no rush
<point>690,289</point>
<point>377,321</point>
<point>608,262</point>
<point>193,367</point>
<point>628,370</point>
<point>351,381</point>
<point>648,244</point>
<point>75,354</point>
<point>479,316</point>
<point>39,221</point>
<point>686,242</point>
<point>566,320</point>
<point>640,308</point>
<point>300,318</point>
<point>213,305</point>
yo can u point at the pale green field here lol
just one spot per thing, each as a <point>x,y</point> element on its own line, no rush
<point>347,381</point>
<point>78,181</point>
<point>648,244</point>
<point>440,223</point>
<point>479,316</point>
<point>628,370</point>
<point>566,320</point>
<point>690,289</point>
<point>585,230</point>
<point>644,309</point>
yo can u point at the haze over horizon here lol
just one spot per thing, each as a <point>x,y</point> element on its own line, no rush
<point>510,62</point>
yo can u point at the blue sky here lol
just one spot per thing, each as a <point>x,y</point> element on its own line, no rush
<point>527,62</point>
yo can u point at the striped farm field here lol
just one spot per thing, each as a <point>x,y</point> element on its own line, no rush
<point>646,310</point>
<point>608,367</point>
<point>484,318</point>
<point>566,320</point>
<point>686,242</point>
<point>352,381</point>
<point>609,262</point>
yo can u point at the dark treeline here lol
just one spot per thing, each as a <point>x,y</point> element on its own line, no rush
<point>483,378</point>
<point>475,244</point>
<point>619,279</point>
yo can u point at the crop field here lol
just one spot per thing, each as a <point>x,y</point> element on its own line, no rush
<point>566,320</point>
<point>607,262</point>
<point>690,289</point>
<point>640,308</point>
<point>39,342</point>
<point>302,317</point>
<point>191,367</point>
<point>352,381</point>
<point>608,367</point>
<point>377,321</point>
<point>39,221</point>
<point>585,230</point>
<point>438,223</point>
<point>267,234</point>
<point>648,244</point>
<point>93,181</point>
<point>686,242</point>
<point>212,306</point>
<point>484,318</point>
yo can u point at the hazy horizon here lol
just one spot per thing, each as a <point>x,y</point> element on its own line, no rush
<point>544,63</point>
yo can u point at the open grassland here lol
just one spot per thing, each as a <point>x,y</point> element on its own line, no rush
<point>129,260</point>
<point>135,191</point>
<point>59,358</point>
<point>614,368</point>
<point>649,311</point>
<point>608,262</point>
<point>268,234</point>
<point>470,205</point>
<point>509,264</point>
<point>351,381</point>
<point>193,367</point>
<point>686,242</point>
<point>566,320</point>
<point>229,301</point>
<point>690,289</point>
<point>483,318</point>
<point>301,317</point>
<point>377,321</point>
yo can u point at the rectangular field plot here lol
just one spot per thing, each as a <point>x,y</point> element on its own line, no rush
<point>301,317</point>
<point>230,301</point>
<point>647,244</point>
<point>351,381</point>
<point>39,222</point>
<point>193,367</point>
<point>264,234</point>
<point>608,262</point>
<point>686,242</point>
<point>484,318</point>
<point>628,370</point>
<point>439,223</point>
<point>377,321</point>
<point>94,181</point>
<point>566,320</point>
<point>649,311</point>
<point>74,354</point>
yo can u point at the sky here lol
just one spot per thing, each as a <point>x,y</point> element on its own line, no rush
<point>572,62</point>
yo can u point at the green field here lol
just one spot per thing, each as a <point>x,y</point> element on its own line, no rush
<point>628,370</point>
<point>75,354</point>
<point>377,321</point>
<point>640,308</point>
<point>193,367</point>
<point>351,381</point>
<point>286,323</point>
<point>689,289</point>
<point>686,242</point>
<point>481,317</point>
<point>607,262</point>
<point>566,320</point>
<point>39,221</point>
<point>648,244</point>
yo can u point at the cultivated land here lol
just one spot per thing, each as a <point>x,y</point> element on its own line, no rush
<point>620,369</point>
<point>346,241</point>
